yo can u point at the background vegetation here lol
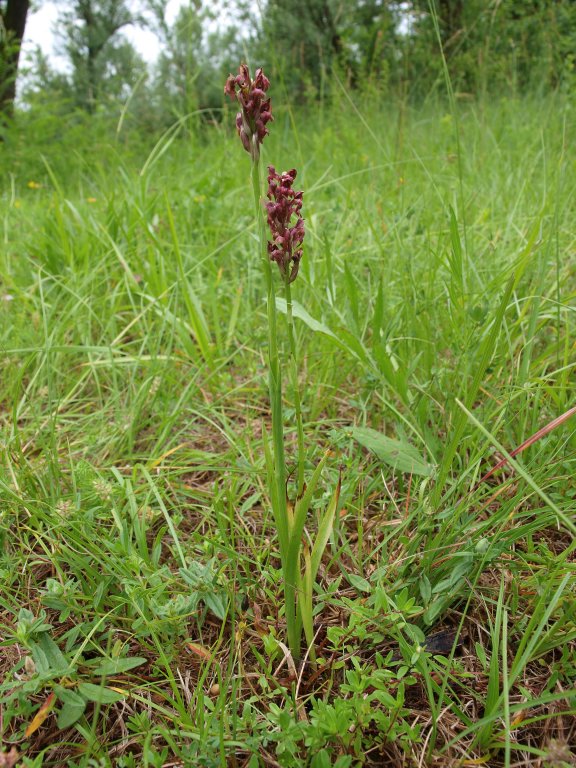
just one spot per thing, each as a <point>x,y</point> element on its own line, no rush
<point>139,576</point>
<point>388,48</point>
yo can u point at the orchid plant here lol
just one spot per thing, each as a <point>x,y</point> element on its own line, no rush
<point>300,555</point>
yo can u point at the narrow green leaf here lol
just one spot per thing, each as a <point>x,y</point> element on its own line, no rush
<point>455,259</point>
<point>233,315</point>
<point>305,588</point>
<point>162,145</point>
<point>512,462</point>
<point>300,512</point>
<point>353,298</point>
<point>196,316</point>
<point>486,352</point>
<point>324,531</point>
<point>279,518</point>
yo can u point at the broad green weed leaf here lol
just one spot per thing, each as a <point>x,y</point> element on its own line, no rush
<point>117,666</point>
<point>321,759</point>
<point>99,694</point>
<point>72,709</point>
<point>358,582</point>
<point>70,713</point>
<point>217,604</point>
<point>50,653</point>
<point>397,453</point>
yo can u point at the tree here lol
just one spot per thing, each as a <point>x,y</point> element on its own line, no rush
<point>13,14</point>
<point>178,67</point>
<point>98,57</point>
<point>303,39</point>
<point>491,44</point>
<point>309,39</point>
<point>197,53</point>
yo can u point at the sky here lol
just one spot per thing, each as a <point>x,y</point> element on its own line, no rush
<point>40,32</point>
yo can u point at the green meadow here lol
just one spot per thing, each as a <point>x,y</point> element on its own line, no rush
<point>141,610</point>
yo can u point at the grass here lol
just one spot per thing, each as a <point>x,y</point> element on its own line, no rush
<point>139,606</point>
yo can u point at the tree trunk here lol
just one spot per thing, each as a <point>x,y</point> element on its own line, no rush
<point>13,19</point>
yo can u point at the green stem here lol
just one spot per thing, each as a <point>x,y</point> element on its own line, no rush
<point>275,388</point>
<point>295,386</point>
<point>300,609</point>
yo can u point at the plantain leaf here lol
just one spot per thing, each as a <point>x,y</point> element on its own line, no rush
<point>118,666</point>
<point>358,582</point>
<point>99,694</point>
<point>397,453</point>
<point>73,706</point>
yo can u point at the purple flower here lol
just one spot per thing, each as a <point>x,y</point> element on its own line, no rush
<point>285,248</point>
<point>255,109</point>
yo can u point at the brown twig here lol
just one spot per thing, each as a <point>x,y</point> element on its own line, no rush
<point>527,443</point>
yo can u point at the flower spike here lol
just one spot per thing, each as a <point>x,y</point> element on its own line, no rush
<point>285,248</point>
<point>255,108</point>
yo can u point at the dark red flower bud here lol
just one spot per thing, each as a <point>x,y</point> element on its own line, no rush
<point>285,248</point>
<point>255,109</point>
